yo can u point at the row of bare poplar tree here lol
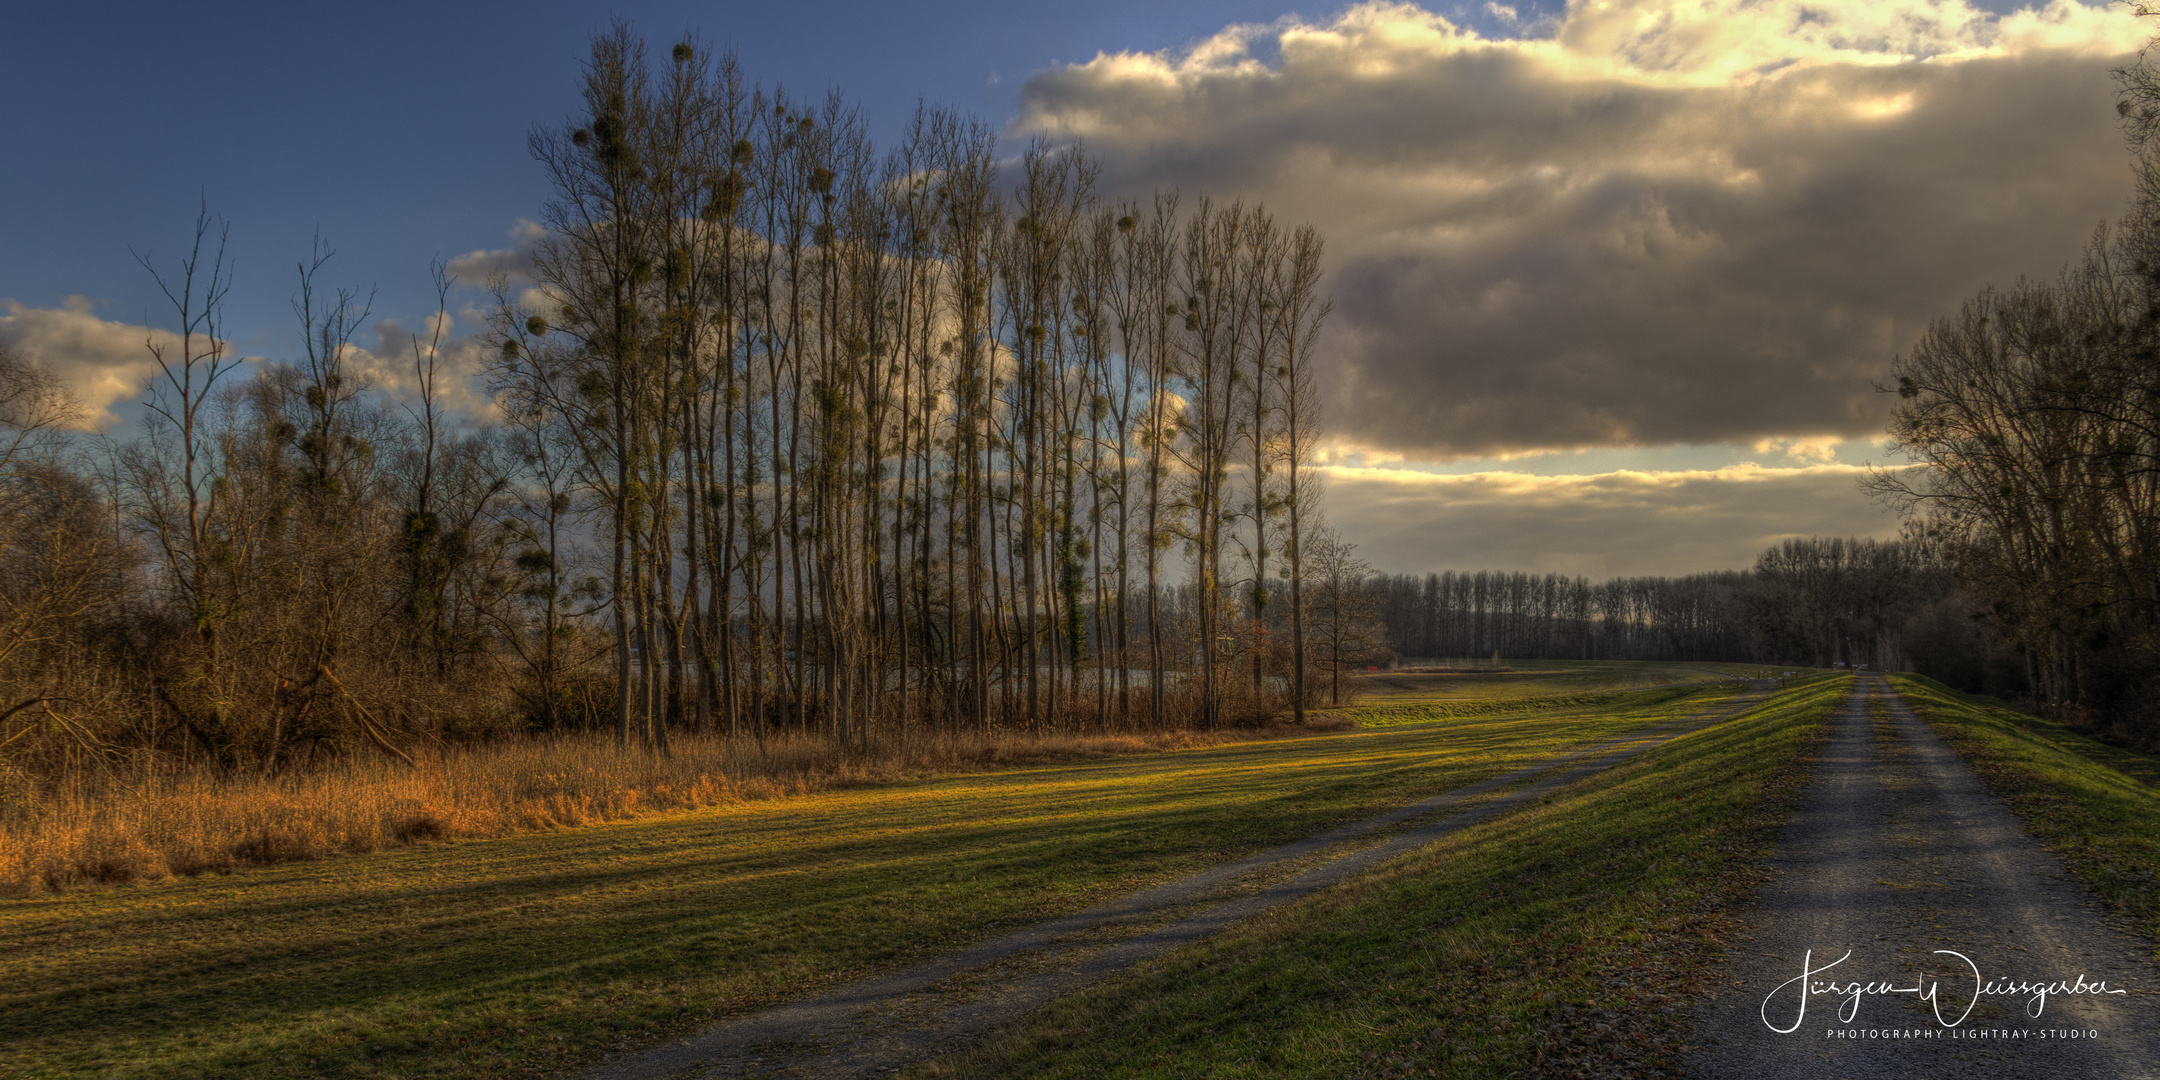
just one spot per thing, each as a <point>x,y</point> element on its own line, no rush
<point>881,438</point>
<point>787,434</point>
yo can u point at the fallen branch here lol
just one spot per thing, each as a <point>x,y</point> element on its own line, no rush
<point>21,705</point>
<point>367,722</point>
<point>45,703</point>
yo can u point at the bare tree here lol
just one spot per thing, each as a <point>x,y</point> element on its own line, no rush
<point>1301,309</point>
<point>1345,610</point>
<point>180,398</point>
<point>863,444</point>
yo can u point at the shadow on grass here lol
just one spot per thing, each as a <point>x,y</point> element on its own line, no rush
<point>527,955</point>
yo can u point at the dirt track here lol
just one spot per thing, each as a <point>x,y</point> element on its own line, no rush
<point>1897,852</point>
<point>874,1026</point>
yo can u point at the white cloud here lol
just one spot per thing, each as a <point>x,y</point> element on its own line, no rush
<point>102,363</point>
<point>105,363</point>
<point>1672,221</point>
<point>1821,449</point>
<point>512,265</point>
<point>461,363</point>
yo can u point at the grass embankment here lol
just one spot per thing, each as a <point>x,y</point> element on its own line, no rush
<point>1564,940</point>
<point>2096,806</point>
<point>1418,712</point>
<point>1536,679</point>
<point>536,954</point>
<point>1408,698</point>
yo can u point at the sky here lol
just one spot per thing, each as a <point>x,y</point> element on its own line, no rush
<point>1614,280</point>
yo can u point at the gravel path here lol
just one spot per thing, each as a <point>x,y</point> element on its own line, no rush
<point>1896,852</point>
<point>874,1026</point>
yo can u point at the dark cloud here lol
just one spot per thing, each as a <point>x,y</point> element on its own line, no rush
<point>1711,222</point>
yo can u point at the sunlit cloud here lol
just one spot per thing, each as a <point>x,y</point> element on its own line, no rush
<point>511,265</point>
<point>1666,221</point>
<point>101,362</point>
<point>1820,449</point>
<point>1625,522</point>
<point>105,362</point>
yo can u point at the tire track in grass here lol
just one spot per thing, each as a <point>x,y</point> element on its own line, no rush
<point>876,1025</point>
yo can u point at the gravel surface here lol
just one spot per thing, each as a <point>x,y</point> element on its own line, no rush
<point>874,1026</point>
<point>1898,857</point>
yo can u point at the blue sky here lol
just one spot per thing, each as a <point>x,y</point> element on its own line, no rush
<point>1614,281</point>
<point>399,129</point>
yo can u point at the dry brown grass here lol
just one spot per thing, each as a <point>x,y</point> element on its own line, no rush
<point>160,824</point>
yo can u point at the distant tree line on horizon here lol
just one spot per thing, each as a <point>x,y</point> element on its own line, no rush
<point>793,435</point>
<point>1815,602</point>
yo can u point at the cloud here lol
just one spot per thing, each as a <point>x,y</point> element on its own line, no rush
<point>1672,221</point>
<point>461,364</point>
<point>1818,450</point>
<point>512,264</point>
<point>1607,524</point>
<point>102,363</point>
<point>105,363</point>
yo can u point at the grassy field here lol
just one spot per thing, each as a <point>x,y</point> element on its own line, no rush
<point>1391,698</point>
<point>537,954</point>
<point>1539,678</point>
<point>1559,941</point>
<point>2096,806</point>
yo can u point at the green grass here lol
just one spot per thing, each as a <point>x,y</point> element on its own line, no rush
<point>1419,712</point>
<point>1393,713</point>
<point>1406,697</point>
<point>1532,679</point>
<point>540,954</point>
<point>1545,942</point>
<point>2096,806</point>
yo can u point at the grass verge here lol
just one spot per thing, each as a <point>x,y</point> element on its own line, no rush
<point>2095,806</point>
<point>540,953</point>
<point>1560,941</point>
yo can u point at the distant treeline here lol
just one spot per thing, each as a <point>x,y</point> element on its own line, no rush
<point>1814,602</point>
